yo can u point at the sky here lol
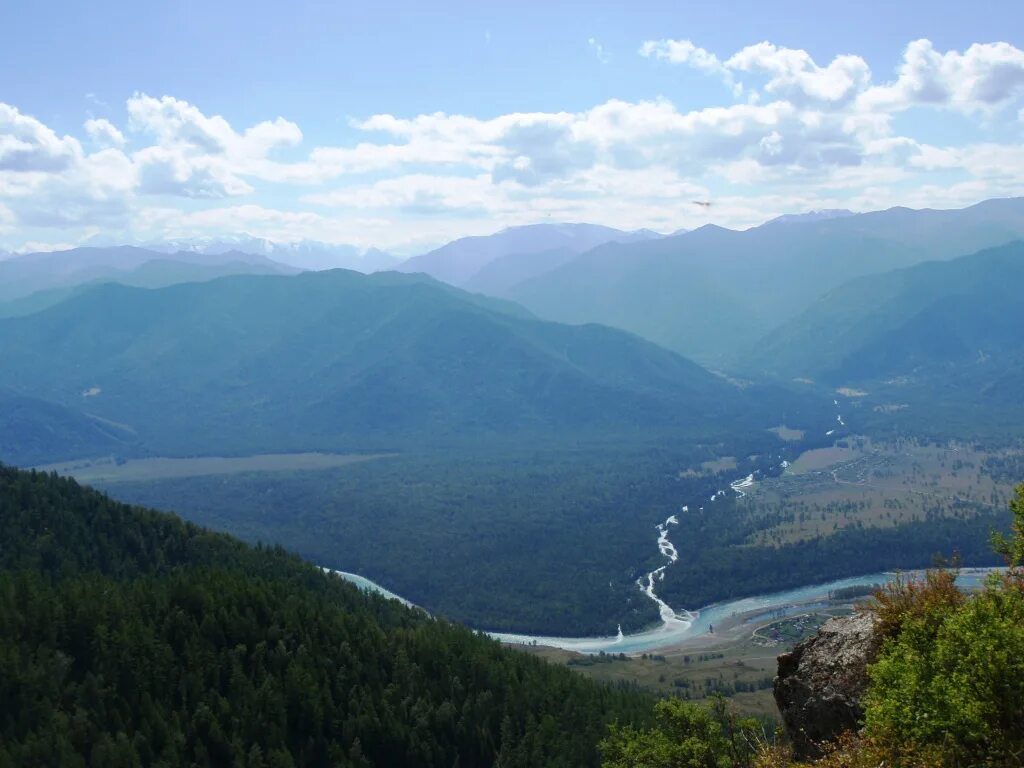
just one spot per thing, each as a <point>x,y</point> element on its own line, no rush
<point>403,125</point>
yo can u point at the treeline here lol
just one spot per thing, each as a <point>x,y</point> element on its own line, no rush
<point>547,540</point>
<point>724,566</point>
<point>129,638</point>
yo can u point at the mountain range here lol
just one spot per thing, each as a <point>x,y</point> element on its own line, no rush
<point>939,326</point>
<point>301,254</point>
<point>711,293</point>
<point>336,358</point>
<point>461,260</point>
<point>183,345</point>
<point>24,275</point>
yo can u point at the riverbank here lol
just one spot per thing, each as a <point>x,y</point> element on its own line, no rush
<point>714,624</point>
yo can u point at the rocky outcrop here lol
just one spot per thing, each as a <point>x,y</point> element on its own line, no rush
<point>820,683</point>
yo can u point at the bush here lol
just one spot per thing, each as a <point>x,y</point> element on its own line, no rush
<point>911,598</point>
<point>948,686</point>
<point>956,690</point>
<point>685,736</point>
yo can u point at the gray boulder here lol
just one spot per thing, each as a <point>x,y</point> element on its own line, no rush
<point>821,682</point>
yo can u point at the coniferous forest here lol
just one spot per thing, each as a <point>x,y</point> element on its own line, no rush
<point>130,638</point>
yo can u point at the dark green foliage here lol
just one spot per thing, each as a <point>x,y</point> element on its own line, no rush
<point>949,681</point>
<point>721,566</point>
<point>542,541</point>
<point>684,736</point>
<point>1011,547</point>
<point>130,638</point>
<point>34,430</point>
<point>547,542</point>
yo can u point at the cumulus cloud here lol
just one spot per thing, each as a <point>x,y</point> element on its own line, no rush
<point>682,52</point>
<point>27,145</point>
<point>794,75</point>
<point>794,130</point>
<point>102,131</point>
<point>200,156</point>
<point>983,77</point>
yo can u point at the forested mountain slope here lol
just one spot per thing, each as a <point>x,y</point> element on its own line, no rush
<point>710,293</point>
<point>128,637</point>
<point>33,430</point>
<point>945,325</point>
<point>339,359</point>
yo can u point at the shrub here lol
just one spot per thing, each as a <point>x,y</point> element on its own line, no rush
<point>948,686</point>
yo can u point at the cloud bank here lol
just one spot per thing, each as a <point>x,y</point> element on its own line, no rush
<point>789,134</point>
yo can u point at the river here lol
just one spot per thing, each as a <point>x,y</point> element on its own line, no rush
<point>679,628</point>
<point>679,631</point>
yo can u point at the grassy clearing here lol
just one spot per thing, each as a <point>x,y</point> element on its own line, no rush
<point>822,458</point>
<point>786,433</point>
<point>111,470</point>
<point>858,483</point>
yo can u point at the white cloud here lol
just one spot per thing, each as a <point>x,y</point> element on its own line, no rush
<point>795,134</point>
<point>420,194</point>
<point>682,52</point>
<point>983,77</point>
<point>794,75</point>
<point>199,156</point>
<point>103,132</point>
<point>27,145</point>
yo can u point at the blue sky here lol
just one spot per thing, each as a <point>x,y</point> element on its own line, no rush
<point>404,124</point>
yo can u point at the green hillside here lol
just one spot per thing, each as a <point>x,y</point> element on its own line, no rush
<point>130,638</point>
<point>34,430</point>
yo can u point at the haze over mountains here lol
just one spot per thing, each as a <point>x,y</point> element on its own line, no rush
<point>335,358</point>
<point>21,276</point>
<point>811,296</point>
<point>302,254</point>
<point>711,293</point>
<point>460,260</point>
<point>953,329</point>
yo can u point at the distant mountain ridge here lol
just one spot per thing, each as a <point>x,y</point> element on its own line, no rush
<point>948,321</point>
<point>712,292</point>
<point>24,275</point>
<point>822,215</point>
<point>157,273</point>
<point>329,359</point>
<point>301,254</point>
<point>460,260</point>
